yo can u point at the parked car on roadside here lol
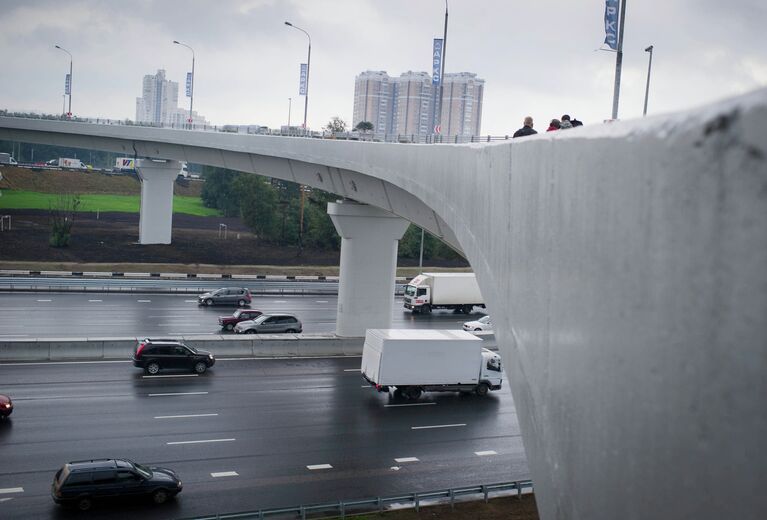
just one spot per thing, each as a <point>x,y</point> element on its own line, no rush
<point>481,325</point>
<point>6,406</point>
<point>154,355</point>
<point>239,296</point>
<point>82,483</point>
<point>228,322</point>
<point>270,324</point>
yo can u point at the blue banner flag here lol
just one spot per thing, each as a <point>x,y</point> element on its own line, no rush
<point>188,84</point>
<point>304,79</point>
<point>68,85</point>
<point>436,62</point>
<point>611,24</point>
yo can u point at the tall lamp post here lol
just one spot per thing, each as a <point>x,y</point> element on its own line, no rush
<point>442,73</point>
<point>308,65</point>
<point>290,103</point>
<point>69,112</point>
<point>191,83</point>
<point>647,88</point>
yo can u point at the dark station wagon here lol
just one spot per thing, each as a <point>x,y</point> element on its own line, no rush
<point>81,483</point>
<point>154,355</point>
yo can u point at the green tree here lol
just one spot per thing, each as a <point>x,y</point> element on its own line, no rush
<point>336,125</point>
<point>320,232</point>
<point>258,201</point>
<point>219,190</point>
<point>61,216</point>
<point>364,126</point>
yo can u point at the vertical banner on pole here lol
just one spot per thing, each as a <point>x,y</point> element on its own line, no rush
<point>436,62</point>
<point>611,24</point>
<point>188,84</point>
<point>302,83</point>
<point>68,84</point>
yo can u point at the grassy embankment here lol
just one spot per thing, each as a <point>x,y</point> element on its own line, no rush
<point>13,199</point>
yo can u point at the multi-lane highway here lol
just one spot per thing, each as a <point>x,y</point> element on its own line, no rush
<point>248,434</point>
<point>41,315</point>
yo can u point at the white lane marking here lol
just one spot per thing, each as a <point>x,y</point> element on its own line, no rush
<point>275,301</point>
<point>6,499</point>
<point>407,404</point>
<point>351,369</point>
<point>190,301</point>
<point>171,375</point>
<point>12,490</point>
<point>199,442</point>
<point>13,335</point>
<point>95,300</point>
<point>319,466</point>
<point>406,459</point>
<point>485,453</point>
<point>225,474</point>
<point>185,416</point>
<point>437,426</point>
<point>44,300</point>
<point>144,301</point>
<point>61,363</point>
<point>178,393</point>
<point>322,301</point>
<point>193,334</point>
<point>394,468</point>
<point>166,316</point>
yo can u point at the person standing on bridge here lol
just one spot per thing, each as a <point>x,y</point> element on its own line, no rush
<point>527,128</point>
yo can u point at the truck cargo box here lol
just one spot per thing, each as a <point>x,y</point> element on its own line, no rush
<point>401,357</point>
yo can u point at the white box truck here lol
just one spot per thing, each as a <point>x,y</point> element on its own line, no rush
<point>457,291</point>
<point>65,162</point>
<point>427,360</point>
<point>6,158</point>
<point>125,164</point>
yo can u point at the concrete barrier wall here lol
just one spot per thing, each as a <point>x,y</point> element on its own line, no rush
<point>277,345</point>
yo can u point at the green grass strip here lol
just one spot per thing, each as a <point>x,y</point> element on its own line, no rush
<point>12,199</point>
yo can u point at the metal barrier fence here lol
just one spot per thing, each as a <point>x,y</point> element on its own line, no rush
<point>256,130</point>
<point>346,508</point>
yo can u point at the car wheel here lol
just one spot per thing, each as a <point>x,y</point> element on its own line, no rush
<point>426,309</point>
<point>84,503</point>
<point>241,303</point>
<point>208,302</point>
<point>477,329</point>
<point>229,326</point>
<point>250,331</point>
<point>413,393</point>
<point>200,367</point>
<point>482,389</point>
<point>291,331</point>
<point>160,496</point>
<point>152,368</point>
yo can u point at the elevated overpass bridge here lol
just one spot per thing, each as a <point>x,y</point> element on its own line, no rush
<point>624,266</point>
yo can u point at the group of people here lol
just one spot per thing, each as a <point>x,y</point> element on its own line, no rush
<point>556,124</point>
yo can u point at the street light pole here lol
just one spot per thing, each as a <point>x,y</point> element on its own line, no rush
<point>647,88</point>
<point>619,61</point>
<point>191,83</point>
<point>308,66</point>
<point>290,102</point>
<point>442,73</point>
<point>69,113</point>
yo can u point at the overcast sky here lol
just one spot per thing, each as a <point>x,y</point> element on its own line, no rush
<point>537,56</point>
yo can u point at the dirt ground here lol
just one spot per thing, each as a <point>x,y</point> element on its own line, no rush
<point>506,508</point>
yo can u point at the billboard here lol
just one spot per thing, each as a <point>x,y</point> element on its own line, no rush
<point>68,84</point>
<point>436,62</point>
<point>304,79</point>
<point>188,84</point>
<point>611,24</point>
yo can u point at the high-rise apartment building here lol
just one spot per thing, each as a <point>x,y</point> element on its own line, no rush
<point>413,104</point>
<point>159,103</point>
<point>462,104</point>
<point>372,100</point>
<point>404,105</point>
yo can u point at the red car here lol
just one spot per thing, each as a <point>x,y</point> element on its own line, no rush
<point>6,406</point>
<point>228,322</point>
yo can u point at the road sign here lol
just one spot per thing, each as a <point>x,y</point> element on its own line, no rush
<point>438,129</point>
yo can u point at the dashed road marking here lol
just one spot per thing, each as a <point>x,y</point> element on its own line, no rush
<point>190,301</point>
<point>144,301</point>
<point>485,453</point>
<point>322,301</point>
<point>280,301</point>
<point>406,459</point>
<point>178,393</point>
<point>225,474</point>
<point>199,442</point>
<point>437,426</point>
<point>170,375</point>
<point>186,416</point>
<point>11,490</point>
<point>351,369</point>
<point>319,466</point>
<point>94,301</point>
<point>44,300</point>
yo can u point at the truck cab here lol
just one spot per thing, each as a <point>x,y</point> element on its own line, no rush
<point>417,296</point>
<point>492,370</point>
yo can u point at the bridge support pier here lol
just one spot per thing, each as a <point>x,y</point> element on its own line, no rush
<point>369,240</point>
<point>156,214</point>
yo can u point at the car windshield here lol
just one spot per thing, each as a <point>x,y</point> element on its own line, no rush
<point>261,319</point>
<point>191,348</point>
<point>484,320</point>
<point>237,313</point>
<point>143,470</point>
<point>409,290</point>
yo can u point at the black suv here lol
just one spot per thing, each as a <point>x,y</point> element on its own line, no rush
<point>154,355</point>
<point>81,483</point>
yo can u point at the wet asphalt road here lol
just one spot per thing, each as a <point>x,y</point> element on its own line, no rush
<point>265,420</point>
<point>67,315</point>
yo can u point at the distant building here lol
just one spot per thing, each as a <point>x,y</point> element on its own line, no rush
<point>158,103</point>
<point>405,105</point>
<point>373,101</point>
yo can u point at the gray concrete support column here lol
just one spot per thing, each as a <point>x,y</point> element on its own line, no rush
<point>156,215</point>
<point>369,240</point>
